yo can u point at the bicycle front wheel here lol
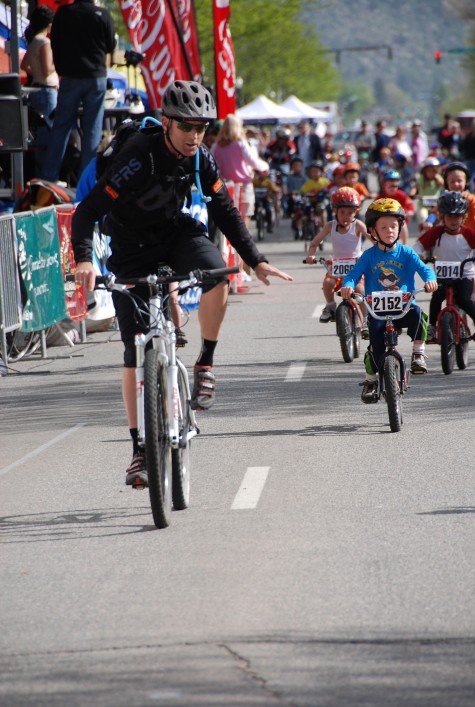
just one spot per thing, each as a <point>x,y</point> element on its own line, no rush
<point>260,223</point>
<point>157,445</point>
<point>181,456</point>
<point>461,349</point>
<point>392,392</point>
<point>447,343</point>
<point>344,328</point>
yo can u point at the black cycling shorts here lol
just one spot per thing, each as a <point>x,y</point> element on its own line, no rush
<point>183,252</point>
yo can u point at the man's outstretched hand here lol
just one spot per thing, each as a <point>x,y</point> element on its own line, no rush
<point>264,271</point>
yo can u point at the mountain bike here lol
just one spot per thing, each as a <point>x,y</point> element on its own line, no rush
<point>453,331</point>
<point>166,422</point>
<point>388,306</point>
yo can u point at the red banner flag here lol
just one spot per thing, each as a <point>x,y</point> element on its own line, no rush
<point>225,67</point>
<point>165,32</point>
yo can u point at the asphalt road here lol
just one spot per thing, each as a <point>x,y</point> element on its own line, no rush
<point>323,561</point>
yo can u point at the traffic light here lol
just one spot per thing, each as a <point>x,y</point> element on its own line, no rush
<point>437,57</point>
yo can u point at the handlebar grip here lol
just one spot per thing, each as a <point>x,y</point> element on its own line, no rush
<point>218,272</point>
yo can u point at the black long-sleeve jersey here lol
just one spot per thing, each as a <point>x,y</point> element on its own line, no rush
<point>143,192</point>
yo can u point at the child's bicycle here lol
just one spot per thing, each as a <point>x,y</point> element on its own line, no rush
<point>453,331</point>
<point>166,422</point>
<point>388,306</point>
<point>260,212</point>
<point>348,316</point>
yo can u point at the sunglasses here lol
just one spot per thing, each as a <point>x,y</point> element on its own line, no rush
<point>190,127</point>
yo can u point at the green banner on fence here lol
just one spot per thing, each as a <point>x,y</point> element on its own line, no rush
<point>40,267</point>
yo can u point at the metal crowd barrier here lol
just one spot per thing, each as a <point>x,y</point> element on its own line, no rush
<point>10,293</point>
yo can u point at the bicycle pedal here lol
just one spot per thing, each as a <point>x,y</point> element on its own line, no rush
<point>138,485</point>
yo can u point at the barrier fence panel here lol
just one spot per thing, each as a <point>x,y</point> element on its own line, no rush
<point>10,293</point>
<point>40,267</point>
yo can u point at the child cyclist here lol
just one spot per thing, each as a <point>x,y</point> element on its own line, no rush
<point>346,234</point>
<point>389,265</point>
<point>450,242</point>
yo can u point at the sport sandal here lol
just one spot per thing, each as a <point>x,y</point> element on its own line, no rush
<point>369,393</point>
<point>136,474</point>
<point>202,397</point>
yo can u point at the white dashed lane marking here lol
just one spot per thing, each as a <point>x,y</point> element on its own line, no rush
<point>295,372</point>
<point>40,449</point>
<point>251,488</point>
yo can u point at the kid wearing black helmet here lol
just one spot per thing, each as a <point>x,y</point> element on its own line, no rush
<point>456,178</point>
<point>142,193</point>
<point>451,241</point>
<point>389,265</point>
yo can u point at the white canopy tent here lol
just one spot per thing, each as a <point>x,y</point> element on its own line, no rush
<point>304,110</point>
<point>263,109</point>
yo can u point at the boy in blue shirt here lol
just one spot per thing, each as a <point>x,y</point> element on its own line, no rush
<point>389,265</point>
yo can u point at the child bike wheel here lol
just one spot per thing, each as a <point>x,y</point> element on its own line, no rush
<point>181,456</point>
<point>157,446</point>
<point>447,343</point>
<point>392,392</point>
<point>344,318</point>
<point>260,223</point>
<point>356,339</point>
<point>461,349</point>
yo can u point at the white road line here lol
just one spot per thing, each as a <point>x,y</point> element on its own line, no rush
<point>317,311</point>
<point>40,449</point>
<point>295,372</point>
<point>251,488</point>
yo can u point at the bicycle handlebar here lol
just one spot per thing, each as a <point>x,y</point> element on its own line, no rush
<point>191,279</point>
<point>364,298</point>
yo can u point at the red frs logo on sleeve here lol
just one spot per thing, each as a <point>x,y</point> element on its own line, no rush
<point>111,192</point>
<point>217,185</point>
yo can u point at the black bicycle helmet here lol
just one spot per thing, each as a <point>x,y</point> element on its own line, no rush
<point>188,100</point>
<point>452,203</point>
<point>452,167</point>
<point>384,207</point>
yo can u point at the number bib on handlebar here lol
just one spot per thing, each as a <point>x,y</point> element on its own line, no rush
<point>388,301</point>
<point>342,266</point>
<point>446,270</point>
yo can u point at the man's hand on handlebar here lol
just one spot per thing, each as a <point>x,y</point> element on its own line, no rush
<point>86,275</point>
<point>264,270</point>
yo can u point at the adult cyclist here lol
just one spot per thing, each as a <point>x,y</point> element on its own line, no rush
<point>143,192</point>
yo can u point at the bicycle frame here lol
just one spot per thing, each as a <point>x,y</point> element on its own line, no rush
<point>162,335</point>
<point>338,282</point>
<point>390,337</point>
<point>451,306</point>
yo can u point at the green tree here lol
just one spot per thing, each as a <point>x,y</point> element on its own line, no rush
<point>275,51</point>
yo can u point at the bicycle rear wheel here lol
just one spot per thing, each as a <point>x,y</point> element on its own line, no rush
<point>461,349</point>
<point>344,328</point>
<point>181,456</point>
<point>447,343</point>
<point>157,446</point>
<point>392,392</point>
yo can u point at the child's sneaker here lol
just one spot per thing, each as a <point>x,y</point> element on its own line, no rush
<point>418,364</point>
<point>369,393</point>
<point>365,330</point>
<point>431,334</point>
<point>328,313</point>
